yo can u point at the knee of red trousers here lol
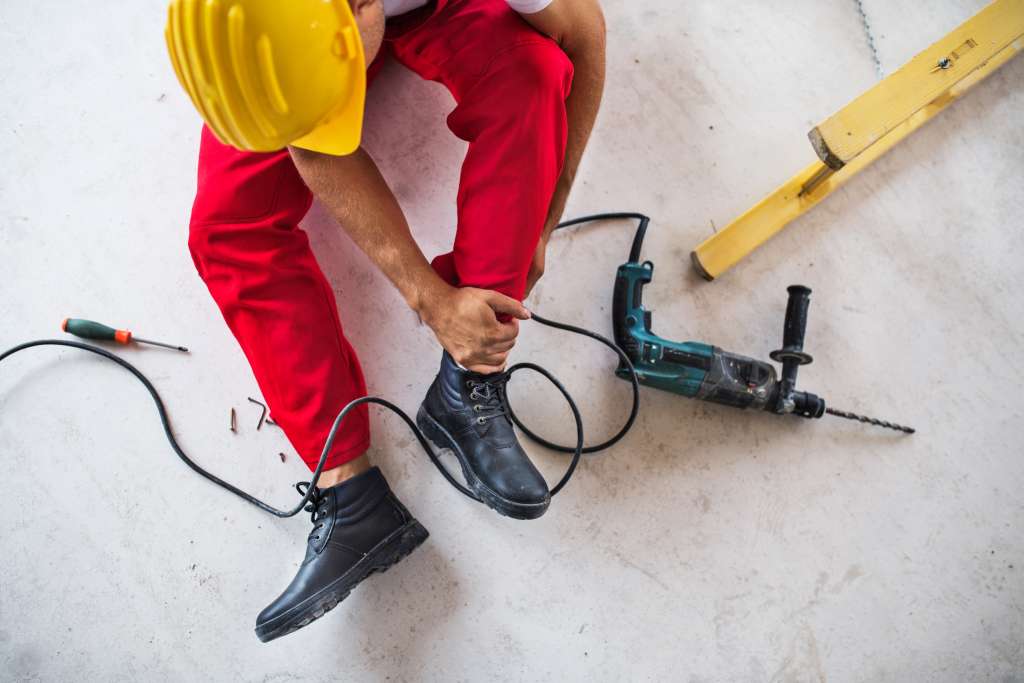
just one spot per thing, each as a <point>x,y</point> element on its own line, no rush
<point>545,67</point>
<point>533,77</point>
<point>238,187</point>
<point>536,71</point>
<point>242,198</point>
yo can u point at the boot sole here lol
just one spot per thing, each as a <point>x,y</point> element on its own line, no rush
<point>383,556</point>
<point>442,440</point>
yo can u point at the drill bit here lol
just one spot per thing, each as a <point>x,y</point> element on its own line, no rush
<point>869,420</point>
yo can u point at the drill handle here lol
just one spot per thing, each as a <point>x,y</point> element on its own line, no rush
<point>628,314</point>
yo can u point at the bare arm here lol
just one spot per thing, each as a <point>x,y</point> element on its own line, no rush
<point>357,196</point>
<point>355,193</point>
<point>578,27</point>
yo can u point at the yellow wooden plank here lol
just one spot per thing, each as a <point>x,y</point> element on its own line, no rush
<point>725,248</point>
<point>860,124</point>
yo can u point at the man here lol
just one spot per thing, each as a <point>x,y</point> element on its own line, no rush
<point>527,77</point>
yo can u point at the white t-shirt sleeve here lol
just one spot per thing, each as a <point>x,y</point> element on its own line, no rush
<point>528,6</point>
<point>393,8</point>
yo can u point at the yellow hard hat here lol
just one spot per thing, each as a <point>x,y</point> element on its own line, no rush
<point>265,74</point>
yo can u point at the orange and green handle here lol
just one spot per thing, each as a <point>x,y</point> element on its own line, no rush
<point>87,329</point>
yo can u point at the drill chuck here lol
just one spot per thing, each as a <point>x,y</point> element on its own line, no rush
<point>806,404</point>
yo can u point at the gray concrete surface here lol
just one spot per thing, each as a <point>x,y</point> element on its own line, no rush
<point>711,545</point>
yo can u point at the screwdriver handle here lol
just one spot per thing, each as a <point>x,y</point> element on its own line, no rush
<point>88,329</point>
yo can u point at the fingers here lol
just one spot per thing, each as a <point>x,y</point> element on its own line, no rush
<point>484,330</point>
<point>501,333</point>
<point>485,369</point>
<point>494,360</point>
<point>489,354</point>
<point>483,362</point>
<point>502,347</point>
<point>506,304</point>
<point>484,356</point>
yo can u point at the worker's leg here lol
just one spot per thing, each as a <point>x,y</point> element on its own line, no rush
<point>260,269</point>
<point>510,84</point>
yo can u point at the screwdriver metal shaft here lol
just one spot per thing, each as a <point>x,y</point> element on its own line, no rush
<point>156,343</point>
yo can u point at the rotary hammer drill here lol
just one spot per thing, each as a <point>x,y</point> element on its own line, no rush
<point>706,372</point>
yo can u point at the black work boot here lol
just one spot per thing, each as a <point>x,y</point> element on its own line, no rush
<point>467,412</point>
<point>359,527</point>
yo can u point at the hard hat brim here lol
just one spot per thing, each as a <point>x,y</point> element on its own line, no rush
<point>340,133</point>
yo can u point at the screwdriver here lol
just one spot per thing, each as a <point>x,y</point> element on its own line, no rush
<point>87,329</point>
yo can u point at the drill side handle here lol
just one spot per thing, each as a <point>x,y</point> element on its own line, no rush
<point>792,356</point>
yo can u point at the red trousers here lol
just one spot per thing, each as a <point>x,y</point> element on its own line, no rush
<point>510,84</point>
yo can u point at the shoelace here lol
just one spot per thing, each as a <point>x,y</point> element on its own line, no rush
<point>316,505</point>
<point>491,392</point>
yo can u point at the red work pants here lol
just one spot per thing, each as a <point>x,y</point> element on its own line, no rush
<point>510,84</point>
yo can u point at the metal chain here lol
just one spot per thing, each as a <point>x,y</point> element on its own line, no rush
<point>869,420</point>
<point>870,37</point>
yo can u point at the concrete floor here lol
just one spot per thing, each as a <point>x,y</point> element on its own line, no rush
<point>711,545</point>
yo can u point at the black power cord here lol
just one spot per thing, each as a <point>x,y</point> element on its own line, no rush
<point>577,450</point>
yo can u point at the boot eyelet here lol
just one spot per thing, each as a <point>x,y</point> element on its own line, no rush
<point>480,420</point>
<point>478,407</point>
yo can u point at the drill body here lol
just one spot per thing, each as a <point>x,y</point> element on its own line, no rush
<point>699,370</point>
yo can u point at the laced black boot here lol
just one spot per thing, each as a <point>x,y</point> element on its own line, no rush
<point>467,412</point>
<point>359,527</point>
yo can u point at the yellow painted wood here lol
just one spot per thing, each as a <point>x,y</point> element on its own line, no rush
<point>871,116</point>
<point>725,248</point>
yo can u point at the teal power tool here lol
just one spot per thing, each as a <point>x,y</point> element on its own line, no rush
<point>706,372</point>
